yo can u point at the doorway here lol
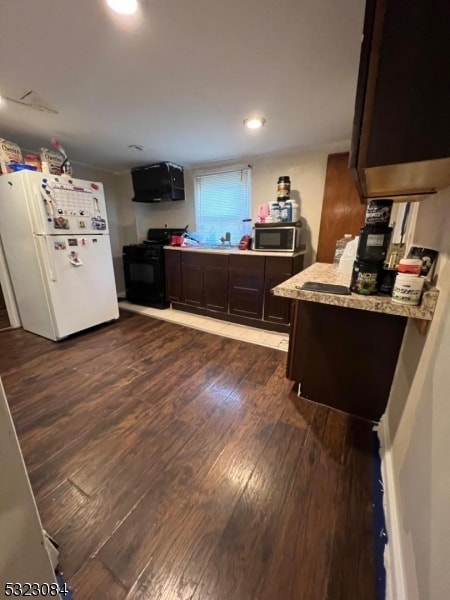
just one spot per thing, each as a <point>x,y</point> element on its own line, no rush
<point>9,314</point>
<point>4,318</point>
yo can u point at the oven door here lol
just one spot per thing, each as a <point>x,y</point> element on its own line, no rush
<point>144,280</point>
<point>281,239</point>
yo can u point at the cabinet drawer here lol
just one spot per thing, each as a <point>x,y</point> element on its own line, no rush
<point>277,265</point>
<point>218,261</point>
<point>172,256</point>
<point>192,259</point>
<point>255,264</point>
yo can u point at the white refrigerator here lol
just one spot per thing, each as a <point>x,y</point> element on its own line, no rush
<point>55,238</point>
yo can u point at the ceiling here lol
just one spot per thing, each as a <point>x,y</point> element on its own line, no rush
<point>180,77</point>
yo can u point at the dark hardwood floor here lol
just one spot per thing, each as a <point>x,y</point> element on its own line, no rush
<point>173,464</point>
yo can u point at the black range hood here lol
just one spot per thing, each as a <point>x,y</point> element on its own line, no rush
<point>160,182</point>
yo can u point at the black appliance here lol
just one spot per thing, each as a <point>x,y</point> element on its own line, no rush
<point>158,182</point>
<point>143,266</point>
<point>277,237</point>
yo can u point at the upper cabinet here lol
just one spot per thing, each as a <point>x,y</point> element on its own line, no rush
<point>401,128</point>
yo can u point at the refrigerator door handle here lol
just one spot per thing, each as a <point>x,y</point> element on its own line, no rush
<point>48,265</point>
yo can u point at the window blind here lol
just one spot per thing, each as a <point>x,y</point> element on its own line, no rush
<point>222,200</point>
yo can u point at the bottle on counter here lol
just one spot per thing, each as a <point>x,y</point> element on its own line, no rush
<point>292,205</point>
<point>340,247</point>
<point>275,212</point>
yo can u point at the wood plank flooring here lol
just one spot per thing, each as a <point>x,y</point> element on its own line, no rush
<point>171,463</point>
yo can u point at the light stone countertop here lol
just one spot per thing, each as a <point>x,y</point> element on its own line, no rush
<point>234,250</point>
<point>326,273</point>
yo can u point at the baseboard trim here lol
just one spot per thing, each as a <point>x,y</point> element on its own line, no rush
<point>393,555</point>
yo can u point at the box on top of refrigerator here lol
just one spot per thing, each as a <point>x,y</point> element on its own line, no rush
<point>9,153</point>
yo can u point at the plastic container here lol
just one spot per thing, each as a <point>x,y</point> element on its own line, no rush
<point>348,258</point>
<point>407,289</point>
<point>284,187</point>
<point>410,266</point>
<point>275,212</point>
<point>387,280</point>
<point>379,212</point>
<point>340,247</point>
<point>366,277</point>
<point>294,210</point>
<point>286,212</point>
<point>373,243</point>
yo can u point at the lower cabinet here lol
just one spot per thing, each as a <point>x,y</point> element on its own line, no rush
<point>247,286</point>
<point>234,287</point>
<point>172,261</point>
<point>202,279</point>
<point>215,281</point>
<point>276,308</point>
<point>192,279</point>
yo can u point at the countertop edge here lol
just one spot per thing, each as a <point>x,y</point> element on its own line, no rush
<point>236,251</point>
<point>321,272</point>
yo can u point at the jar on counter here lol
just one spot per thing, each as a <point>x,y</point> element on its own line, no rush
<point>373,243</point>
<point>410,266</point>
<point>407,289</point>
<point>365,277</point>
<point>284,188</point>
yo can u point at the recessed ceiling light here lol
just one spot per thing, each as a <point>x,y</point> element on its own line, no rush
<point>254,122</point>
<point>123,7</point>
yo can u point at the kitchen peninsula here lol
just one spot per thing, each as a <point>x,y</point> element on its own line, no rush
<point>343,350</point>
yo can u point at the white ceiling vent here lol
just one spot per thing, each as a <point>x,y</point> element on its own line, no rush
<point>31,99</point>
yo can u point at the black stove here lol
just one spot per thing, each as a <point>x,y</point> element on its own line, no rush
<point>144,268</point>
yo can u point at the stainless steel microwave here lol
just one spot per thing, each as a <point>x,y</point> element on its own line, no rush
<point>277,238</point>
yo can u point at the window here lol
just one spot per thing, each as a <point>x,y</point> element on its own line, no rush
<point>222,201</point>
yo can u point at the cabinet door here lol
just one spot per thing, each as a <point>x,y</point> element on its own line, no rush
<point>215,279</point>
<point>276,309</point>
<point>247,286</point>
<point>401,130</point>
<point>173,275</point>
<point>328,355</point>
<point>192,279</point>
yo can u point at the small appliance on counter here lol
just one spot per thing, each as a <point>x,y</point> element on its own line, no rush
<point>246,239</point>
<point>277,237</point>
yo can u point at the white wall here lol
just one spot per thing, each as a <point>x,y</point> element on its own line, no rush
<point>418,419</point>
<point>129,221</point>
<point>121,217</point>
<point>307,172</point>
<point>23,557</point>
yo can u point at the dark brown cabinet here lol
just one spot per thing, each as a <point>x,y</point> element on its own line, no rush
<point>197,279</point>
<point>235,287</point>
<point>173,275</point>
<point>328,355</point>
<point>215,279</point>
<point>192,278</point>
<point>276,308</point>
<point>247,286</point>
<point>401,129</point>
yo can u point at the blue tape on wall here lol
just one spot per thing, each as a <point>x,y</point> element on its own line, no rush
<point>379,523</point>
